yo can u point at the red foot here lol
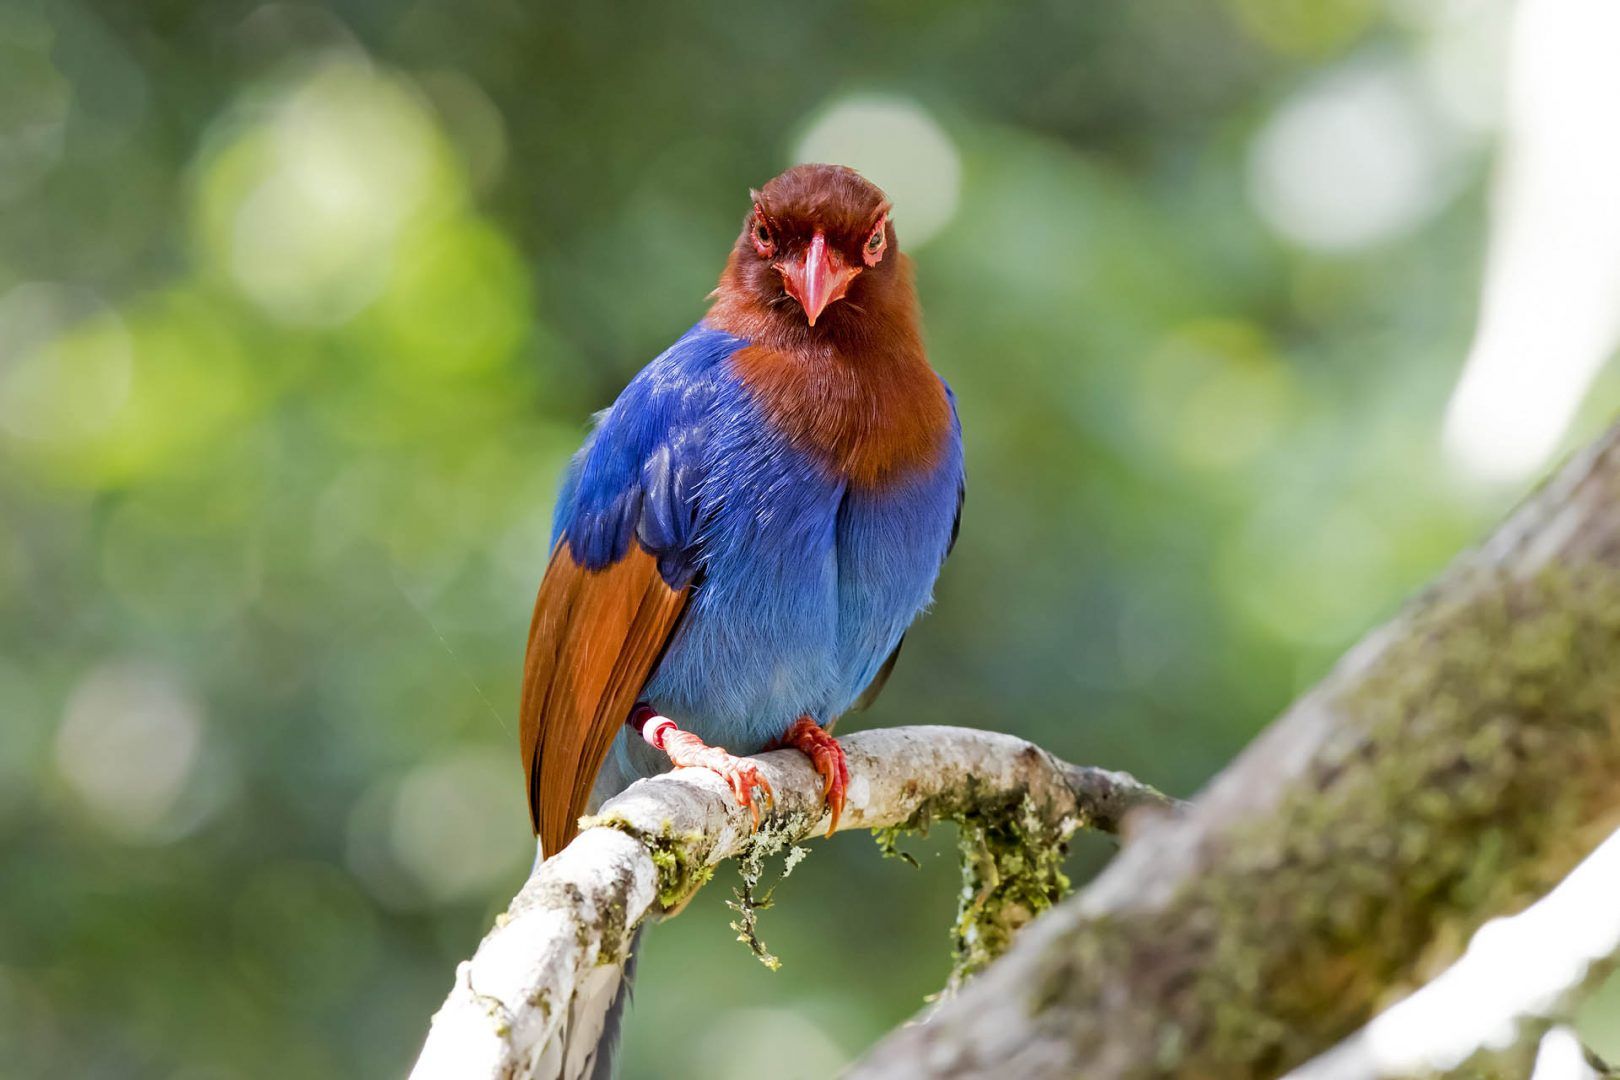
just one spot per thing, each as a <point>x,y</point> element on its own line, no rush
<point>687,751</point>
<point>827,756</point>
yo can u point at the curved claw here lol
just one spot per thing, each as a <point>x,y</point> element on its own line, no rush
<point>686,750</point>
<point>743,777</point>
<point>812,740</point>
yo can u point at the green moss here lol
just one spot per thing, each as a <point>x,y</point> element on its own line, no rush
<point>1468,769</point>
<point>888,843</point>
<point>614,934</point>
<point>1012,870</point>
<point>680,875</point>
<point>681,859</point>
<point>608,935</point>
<point>748,901</point>
<point>1011,854</point>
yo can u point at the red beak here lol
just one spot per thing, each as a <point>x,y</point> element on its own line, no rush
<point>821,278</point>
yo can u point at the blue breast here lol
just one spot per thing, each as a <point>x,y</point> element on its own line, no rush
<point>803,586</point>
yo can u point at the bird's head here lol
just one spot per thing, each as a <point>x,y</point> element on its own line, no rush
<point>814,236</point>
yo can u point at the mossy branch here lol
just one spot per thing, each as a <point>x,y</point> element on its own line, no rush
<point>1493,1012</point>
<point>648,850</point>
<point>1454,767</point>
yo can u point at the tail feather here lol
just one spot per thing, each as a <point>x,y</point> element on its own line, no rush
<point>587,1047</point>
<point>607,1044</point>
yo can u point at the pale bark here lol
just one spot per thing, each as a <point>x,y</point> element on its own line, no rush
<point>1454,767</point>
<point>649,848</point>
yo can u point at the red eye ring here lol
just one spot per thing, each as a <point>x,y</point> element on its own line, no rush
<point>760,233</point>
<point>876,242</point>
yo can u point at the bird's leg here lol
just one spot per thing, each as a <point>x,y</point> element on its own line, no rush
<point>827,756</point>
<point>686,750</point>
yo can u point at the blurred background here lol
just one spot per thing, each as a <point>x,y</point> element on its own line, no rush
<point>1258,311</point>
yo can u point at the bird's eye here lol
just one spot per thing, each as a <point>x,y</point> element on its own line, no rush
<point>760,234</point>
<point>872,251</point>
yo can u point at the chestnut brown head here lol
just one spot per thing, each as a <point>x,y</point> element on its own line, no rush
<point>815,236</point>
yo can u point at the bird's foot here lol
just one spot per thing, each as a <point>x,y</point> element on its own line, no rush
<point>814,741</point>
<point>687,751</point>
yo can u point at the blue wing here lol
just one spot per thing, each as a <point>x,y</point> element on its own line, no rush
<point>623,561</point>
<point>638,473</point>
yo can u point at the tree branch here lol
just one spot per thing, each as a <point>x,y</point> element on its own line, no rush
<point>1456,764</point>
<point>650,848</point>
<point>1518,978</point>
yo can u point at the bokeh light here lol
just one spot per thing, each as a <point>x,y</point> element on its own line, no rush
<point>459,826</point>
<point>899,147</point>
<point>1461,54</point>
<point>128,743</point>
<point>64,363</point>
<point>303,206</point>
<point>304,306</point>
<point>1354,159</point>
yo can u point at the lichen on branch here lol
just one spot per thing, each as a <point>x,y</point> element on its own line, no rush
<point>1012,870</point>
<point>747,900</point>
<point>647,851</point>
<point>1453,767</point>
<point>1010,851</point>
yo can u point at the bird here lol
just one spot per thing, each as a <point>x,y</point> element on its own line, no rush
<point>744,538</point>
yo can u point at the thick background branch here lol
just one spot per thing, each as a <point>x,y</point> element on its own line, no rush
<point>1494,1006</point>
<point>649,848</point>
<point>1456,764</point>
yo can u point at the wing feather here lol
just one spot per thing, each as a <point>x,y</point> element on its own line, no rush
<point>593,641</point>
<point>625,557</point>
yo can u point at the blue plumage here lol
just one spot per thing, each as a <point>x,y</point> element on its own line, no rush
<point>746,535</point>
<point>639,472</point>
<point>804,583</point>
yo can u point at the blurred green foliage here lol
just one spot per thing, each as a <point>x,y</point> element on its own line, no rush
<point>303,305</point>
